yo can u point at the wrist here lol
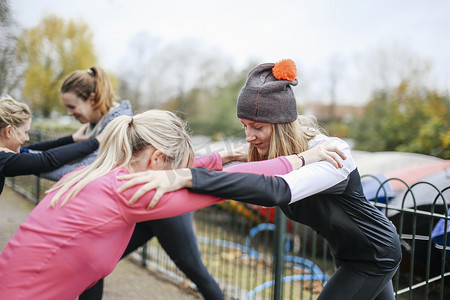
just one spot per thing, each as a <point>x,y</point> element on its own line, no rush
<point>302,158</point>
<point>188,182</point>
<point>295,161</point>
<point>226,157</point>
<point>186,175</point>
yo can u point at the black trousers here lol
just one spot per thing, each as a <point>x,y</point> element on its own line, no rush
<point>349,283</point>
<point>177,237</point>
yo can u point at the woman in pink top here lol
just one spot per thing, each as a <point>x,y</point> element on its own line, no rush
<point>78,232</point>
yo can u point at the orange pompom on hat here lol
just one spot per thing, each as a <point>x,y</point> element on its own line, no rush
<point>285,70</point>
<point>267,95</point>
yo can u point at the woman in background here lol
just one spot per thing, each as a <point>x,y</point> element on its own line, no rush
<point>89,98</point>
<point>15,122</point>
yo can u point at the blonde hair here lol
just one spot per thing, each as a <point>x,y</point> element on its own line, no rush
<point>94,80</point>
<point>13,113</point>
<point>288,138</point>
<point>125,137</point>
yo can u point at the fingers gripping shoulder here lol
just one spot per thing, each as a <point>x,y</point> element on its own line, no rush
<point>349,163</point>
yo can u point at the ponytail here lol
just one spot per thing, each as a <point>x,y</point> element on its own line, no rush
<point>115,150</point>
<point>93,80</point>
<point>126,136</point>
<point>104,96</point>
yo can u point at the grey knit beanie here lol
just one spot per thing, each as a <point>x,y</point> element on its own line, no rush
<point>266,99</point>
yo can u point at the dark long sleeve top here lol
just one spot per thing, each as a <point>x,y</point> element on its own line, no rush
<point>245,187</point>
<point>329,200</point>
<point>59,152</point>
<point>46,145</point>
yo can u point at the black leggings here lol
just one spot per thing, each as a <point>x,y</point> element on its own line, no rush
<point>347,283</point>
<point>177,237</point>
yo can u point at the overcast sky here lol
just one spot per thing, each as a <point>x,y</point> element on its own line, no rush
<point>310,32</point>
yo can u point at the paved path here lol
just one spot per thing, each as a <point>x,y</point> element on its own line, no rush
<point>128,281</point>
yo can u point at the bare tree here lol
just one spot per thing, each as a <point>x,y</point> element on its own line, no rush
<point>386,67</point>
<point>336,71</point>
<point>5,13</point>
<point>137,65</point>
<point>160,72</point>
<point>11,69</point>
<point>52,49</point>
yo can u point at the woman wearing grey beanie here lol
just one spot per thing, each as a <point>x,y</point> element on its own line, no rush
<point>364,243</point>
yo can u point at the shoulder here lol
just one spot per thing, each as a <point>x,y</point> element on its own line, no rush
<point>122,108</point>
<point>5,156</point>
<point>111,177</point>
<point>322,138</point>
<point>318,139</point>
<point>106,183</point>
<point>340,144</point>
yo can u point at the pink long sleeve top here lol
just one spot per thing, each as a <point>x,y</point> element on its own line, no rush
<point>59,252</point>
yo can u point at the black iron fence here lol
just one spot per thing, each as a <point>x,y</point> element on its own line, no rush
<point>256,253</point>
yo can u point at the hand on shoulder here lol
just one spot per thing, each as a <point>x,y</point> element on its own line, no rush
<point>325,151</point>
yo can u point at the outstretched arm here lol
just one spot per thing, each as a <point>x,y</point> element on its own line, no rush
<point>260,189</point>
<point>244,187</point>
<point>57,174</point>
<point>34,163</point>
<point>46,145</point>
<point>78,136</point>
<point>311,179</point>
<point>176,179</point>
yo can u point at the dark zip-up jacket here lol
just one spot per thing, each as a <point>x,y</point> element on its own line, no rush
<point>330,201</point>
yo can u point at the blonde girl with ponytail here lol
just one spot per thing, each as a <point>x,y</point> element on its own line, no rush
<point>77,234</point>
<point>155,139</point>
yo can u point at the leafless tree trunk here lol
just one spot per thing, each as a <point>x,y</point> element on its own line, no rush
<point>11,70</point>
